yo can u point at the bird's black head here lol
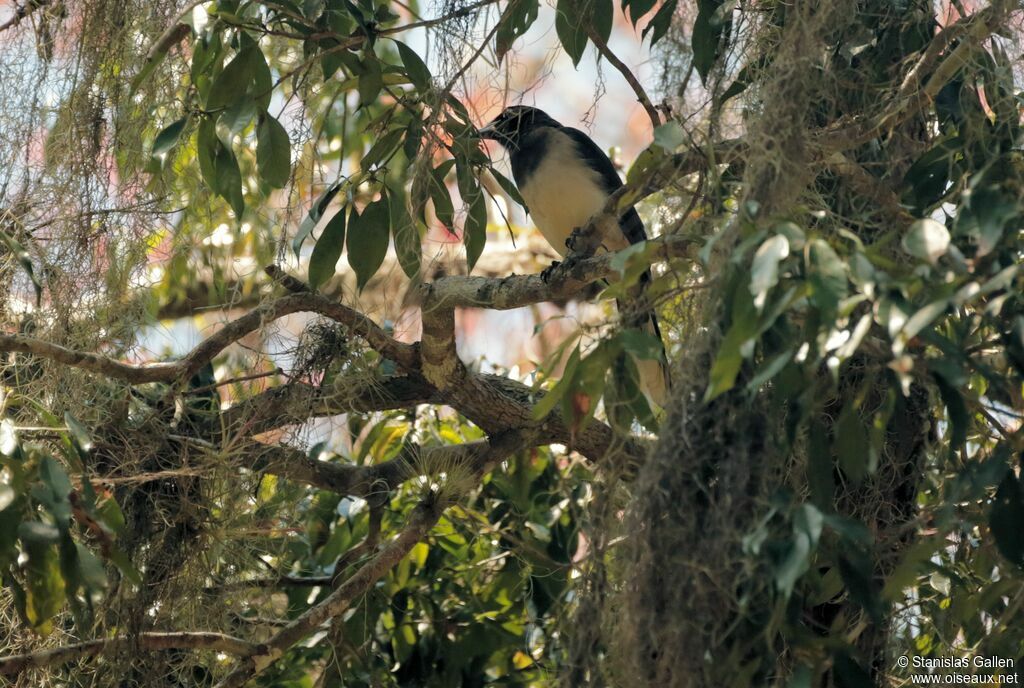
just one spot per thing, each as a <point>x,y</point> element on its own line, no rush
<point>514,123</point>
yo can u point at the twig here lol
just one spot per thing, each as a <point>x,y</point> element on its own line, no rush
<point>14,665</point>
<point>634,83</point>
<point>233,380</point>
<point>22,11</point>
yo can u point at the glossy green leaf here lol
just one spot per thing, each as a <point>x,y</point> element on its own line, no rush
<point>79,433</point>
<point>369,234</point>
<point>517,17</point>
<point>44,590</point>
<point>414,67</point>
<point>273,152</point>
<point>327,251</point>
<point>661,22</point>
<point>371,80</point>
<point>707,33</point>
<point>475,229</point>
<point>233,82</point>
<point>313,217</point>
<point>167,138</point>
<point>406,235</point>
<point>826,275</point>
<point>569,26</point>
<point>637,9</point>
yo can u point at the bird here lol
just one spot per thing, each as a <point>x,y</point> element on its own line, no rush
<point>565,179</point>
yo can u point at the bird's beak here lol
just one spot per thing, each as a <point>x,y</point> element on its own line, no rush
<point>488,132</point>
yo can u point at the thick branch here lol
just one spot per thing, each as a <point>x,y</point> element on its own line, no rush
<point>16,664</point>
<point>360,325</point>
<point>563,282</point>
<point>441,363</point>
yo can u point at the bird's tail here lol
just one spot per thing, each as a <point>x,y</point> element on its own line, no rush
<point>654,374</point>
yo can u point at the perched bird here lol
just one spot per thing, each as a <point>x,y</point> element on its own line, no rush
<point>565,179</point>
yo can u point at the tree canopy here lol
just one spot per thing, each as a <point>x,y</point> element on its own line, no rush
<point>312,485</point>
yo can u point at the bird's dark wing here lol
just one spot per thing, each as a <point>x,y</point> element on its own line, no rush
<point>632,225</point>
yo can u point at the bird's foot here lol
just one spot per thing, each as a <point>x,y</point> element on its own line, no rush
<point>547,272</point>
<point>580,241</point>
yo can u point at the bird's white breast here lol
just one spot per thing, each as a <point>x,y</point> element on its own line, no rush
<point>563,193</point>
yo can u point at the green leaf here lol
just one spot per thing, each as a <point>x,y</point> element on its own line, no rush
<point>637,9</point>
<point>234,81</point>
<point>927,240</point>
<point>313,217</point>
<point>851,445</point>
<point>228,184</point>
<point>262,81</point>
<point>79,434</point>
<point>508,187</point>
<point>368,238</point>
<point>669,136</point>
<point>109,512</point>
<point>730,357</point>
<point>571,30</point>
<point>327,251</point>
<point>443,207</point>
<point>273,152</point>
<point>371,80</point>
<point>90,569</point>
<point>706,36</point>
<point>807,523</point>
<point>125,565</point>
<point>406,236</point>
<point>44,592</point>
<point>475,229</point>
<point>166,139</point>
<point>417,70</point>
<point>385,146</point>
<point>602,12</point>
<point>236,117</point>
<point>515,20</point>
<point>826,275</point>
<point>662,20</point>
<point>219,167</point>
<point>1006,517</point>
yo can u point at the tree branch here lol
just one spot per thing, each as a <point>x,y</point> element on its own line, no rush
<point>403,354</point>
<point>14,665</point>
